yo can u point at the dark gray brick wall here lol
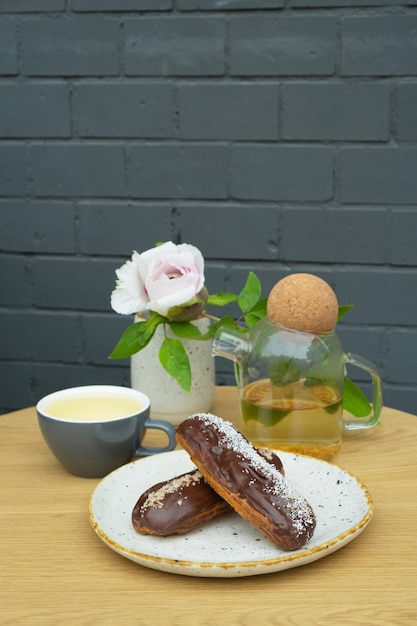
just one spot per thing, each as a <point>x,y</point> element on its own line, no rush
<point>69,46</point>
<point>381,175</point>
<point>366,229</point>
<point>277,45</point>
<point>37,226</point>
<point>276,172</point>
<point>23,6</point>
<point>177,170</point>
<point>313,111</point>
<point>8,47</point>
<point>78,169</point>
<point>407,112</point>
<point>38,109</point>
<point>276,135</point>
<point>369,49</point>
<point>234,111</point>
<point>174,46</point>
<point>119,104</point>
<point>122,225</point>
<point>121,5</point>
<point>14,170</point>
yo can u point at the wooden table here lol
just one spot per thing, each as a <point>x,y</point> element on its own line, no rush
<point>55,570</point>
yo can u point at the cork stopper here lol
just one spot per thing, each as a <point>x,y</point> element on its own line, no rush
<point>304,302</point>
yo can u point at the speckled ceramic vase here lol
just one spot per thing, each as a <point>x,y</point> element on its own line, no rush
<point>168,400</point>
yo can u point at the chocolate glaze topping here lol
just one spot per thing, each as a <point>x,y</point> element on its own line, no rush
<point>180,504</point>
<point>224,454</point>
<point>177,505</point>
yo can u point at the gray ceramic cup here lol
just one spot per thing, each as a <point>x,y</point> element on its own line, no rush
<point>95,429</point>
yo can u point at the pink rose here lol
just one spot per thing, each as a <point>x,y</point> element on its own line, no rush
<point>160,279</point>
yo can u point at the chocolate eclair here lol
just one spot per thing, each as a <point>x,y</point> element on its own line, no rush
<point>178,505</point>
<point>242,477</point>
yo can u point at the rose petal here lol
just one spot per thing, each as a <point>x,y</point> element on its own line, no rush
<point>160,278</point>
<point>162,304</point>
<point>129,295</point>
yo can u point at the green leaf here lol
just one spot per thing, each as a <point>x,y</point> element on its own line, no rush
<point>175,361</point>
<point>136,337</point>
<point>354,400</point>
<point>185,330</point>
<point>343,309</point>
<point>221,299</point>
<point>250,293</point>
<point>257,313</point>
<point>272,418</point>
<point>224,322</point>
<point>285,372</point>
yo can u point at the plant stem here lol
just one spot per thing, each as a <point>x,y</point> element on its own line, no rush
<point>210,317</point>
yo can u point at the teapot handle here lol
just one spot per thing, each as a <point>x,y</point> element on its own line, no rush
<point>373,419</point>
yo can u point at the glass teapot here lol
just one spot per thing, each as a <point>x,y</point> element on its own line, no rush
<point>291,387</point>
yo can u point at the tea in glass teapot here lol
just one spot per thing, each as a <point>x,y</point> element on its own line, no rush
<point>291,386</point>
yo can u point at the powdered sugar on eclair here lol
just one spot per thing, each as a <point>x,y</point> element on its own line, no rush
<point>251,485</point>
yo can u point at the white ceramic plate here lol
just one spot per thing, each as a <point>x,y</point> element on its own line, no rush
<point>228,546</point>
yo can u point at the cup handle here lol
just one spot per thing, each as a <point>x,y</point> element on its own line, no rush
<point>168,428</point>
<point>371,420</point>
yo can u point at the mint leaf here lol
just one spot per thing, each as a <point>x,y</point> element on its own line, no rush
<point>285,372</point>
<point>221,299</point>
<point>343,309</point>
<point>354,400</point>
<point>272,418</point>
<point>175,361</point>
<point>225,322</point>
<point>258,312</point>
<point>136,337</point>
<point>185,330</point>
<point>250,293</point>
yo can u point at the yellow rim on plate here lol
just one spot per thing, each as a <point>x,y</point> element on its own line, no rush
<point>228,546</point>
